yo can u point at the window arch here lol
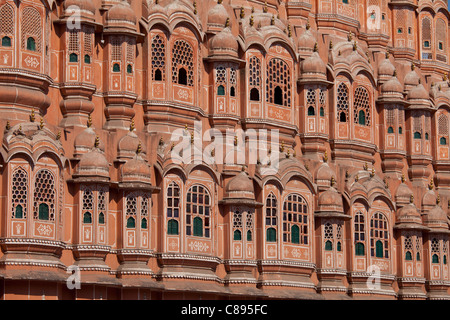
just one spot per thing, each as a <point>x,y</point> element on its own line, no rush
<point>173,208</point>
<point>116,67</point>
<point>426,32</point>
<point>6,24</point>
<point>87,217</point>
<point>31,30</point>
<point>360,234</point>
<point>417,135</point>
<point>342,102</point>
<point>183,59</point>
<point>390,130</point>
<point>237,225</point>
<point>221,90</point>
<point>44,195</point>
<point>19,193</point>
<point>271,218</point>
<point>198,212</point>
<point>254,94</point>
<point>328,236</point>
<point>6,41</point>
<point>362,106</point>
<point>73,57</point>
<point>311,102</point>
<point>254,78</point>
<point>295,213</point>
<point>379,236</point>
<point>278,83</point>
<point>158,58</point>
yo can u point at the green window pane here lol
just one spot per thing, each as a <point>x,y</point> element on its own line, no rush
<point>295,234</point>
<point>43,211</point>
<point>237,236</point>
<point>87,59</point>
<point>339,246</point>
<point>379,249</point>
<point>19,212</point>
<point>311,111</point>
<point>220,91</point>
<point>31,44</point>
<point>408,256</point>
<point>249,236</point>
<point>116,67</point>
<point>359,249</point>
<point>144,223</point>
<point>87,218</point>
<point>322,112</point>
<point>445,259</point>
<point>73,57</point>
<point>172,227</point>
<point>443,141</point>
<point>400,130</point>
<point>417,135</point>
<point>6,42</point>
<point>435,258</point>
<point>390,130</point>
<point>131,223</point>
<point>198,227</point>
<point>101,218</point>
<point>328,245</point>
<point>271,235</point>
<point>129,69</point>
<point>361,118</point>
<point>418,256</point>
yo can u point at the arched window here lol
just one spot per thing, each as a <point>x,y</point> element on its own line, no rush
<point>129,69</point>
<point>249,235</point>
<point>342,103</point>
<point>295,234</point>
<point>173,208</point>
<point>87,217</point>
<point>144,223</point>
<point>198,212</point>
<point>295,213</point>
<point>322,112</point>
<point>417,135</point>
<point>158,58</point>
<point>328,245</point>
<point>172,227</point>
<point>220,90</point>
<point>116,67</point>
<point>408,256</point>
<point>31,44</point>
<point>311,111</point>
<point>237,225</point>
<point>44,196</point>
<point>271,235</point>
<point>278,82</point>
<point>443,141</point>
<point>427,137</point>
<point>6,41</point>
<point>400,130</point>
<point>426,32</point>
<point>101,218</point>
<point>311,101</point>
<point>182,76</point>
<point>137,205</point>
<point>390,130</point>
<point>362,106</point>
<point>379,236</point>
<point>19,193</point>
<point>131,223</point>
<point>87,59</point>
<point>232,92</point>
<point>339,246</point>
<point>73,57</point>
<point>360,234</point>
<point>183,63</point>
<point>271,217</point>
<point>237,235</point>
<point>435,258</point>
<point>254,94</point>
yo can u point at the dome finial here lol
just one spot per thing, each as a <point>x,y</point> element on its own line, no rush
<point>366,166</point>
<point>350,36</point>
<point>265,9</point>
<point>89,122</point>
<point>431,185</point>
<point>139,148</point>
<point>325,156</point>
<point>252,21</point>
<point>32,116</point>
<point>438,199</point>
<point>372,174</point>
<point>403,178</point>
<point>8,126</point>
<point>413,66</point>
<point>242,14</point>
<point>355,46</point>
<point>41,124</point>
<point>289,30</point>
<point>316,47</point>
<point>58,135</point>
<point>308,26</point>
<point>132,125</point>
<point>331,44</point>
<point>97,141</point>
<point>227,23</point>
<point>411,199</point>
<point>195,7</point>
<point>387,55</point>
<point>219,1</point>
<point>333,181</point>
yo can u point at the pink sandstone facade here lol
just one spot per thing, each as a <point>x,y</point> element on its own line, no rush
<point>91,92</point>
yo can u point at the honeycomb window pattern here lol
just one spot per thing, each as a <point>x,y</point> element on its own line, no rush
<point>254,72</point>
<point>278,76</point>
<point>6,20</point>
<point>131,210</point>
<point>44,193</point>
<point>295,215</point>
<point>221,75</point>
<point>183,57</point>
<point>31,27</point>
<point>311,102</point>
<point>342,102</point>
<point>237,225</point>
<point>249,225</point>
<point>88,200</point>
<point>19,190</point>
<point>361,102</point>
<point>158,57</point>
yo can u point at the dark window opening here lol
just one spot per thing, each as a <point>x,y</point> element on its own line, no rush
<point>131,223</point>
<point>116,67</point>
<point>87,217</point>
<point>43,211</point>
<point>232,92</point>
<point>6,42</point>
<point>182,76</point>
<point>172,227</point>
<point>311,111</point>
<point>31,44</point>
<point>129,69</point>
<point>237,236</point>
<point>158,75</point>
<point>220,90</point>
<point>73,57</point>
<point>254,94</point>
<point>87,59</point>
<point>342,117</point>
<point>278,96</point>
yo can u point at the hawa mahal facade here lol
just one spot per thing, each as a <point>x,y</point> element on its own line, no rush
<point>91,92</point>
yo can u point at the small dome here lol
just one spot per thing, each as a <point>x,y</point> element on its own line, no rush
<point>418,93</point>
<point>436,218</point>
<point>331,198</point>
<point>314,64</point>
<point>224,42</point>
<point>218,15</point>
<point>386,68</point>
<point>136,169</point>
<point>93,163</point>
<point>307,40</point>
<point>411,78</point>
<point>393,85</point>
<point>429,199</point>
<point>128,145</point>
<point>85,141</point>
<point>324,174</point>
<point>84,5</point>
<point>121,12</point>
<point>241,186</point>
<point>409,214</point>
<point>403,192</point>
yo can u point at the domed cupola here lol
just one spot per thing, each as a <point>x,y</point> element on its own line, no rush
<point>403,194</point>
<point>436,218</point>
<point>93,165</point>
<point>330,202</point>
<point>85,9</point>
<point>418,97</point>
<point>429,198</point>
<point>412,79</point>
<point>408,217</point>
<point>386,69</point>
<point>121,16</point>
<point>224,43</point>
<point>217,17</point>
<point>240,190</point>
<point>307,41</point>
<point>128,144</point>
<point>324,173</point>
<point>313,69</point>
<point>392,89</point>
<point>85,141</point>
<point>136,171</point>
